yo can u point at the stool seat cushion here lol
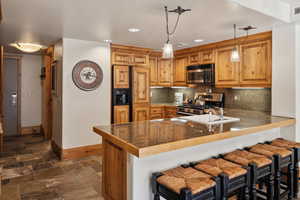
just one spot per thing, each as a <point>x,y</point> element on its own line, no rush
<point>180,177</point>
<point>285,143</point>
<point>244,158</point>
<point>216,166</point>
<point>270,150</point>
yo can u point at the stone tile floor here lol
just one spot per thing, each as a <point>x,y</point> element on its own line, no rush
<point>32,172</point>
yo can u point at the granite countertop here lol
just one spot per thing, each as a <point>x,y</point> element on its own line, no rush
<point>151,137</point>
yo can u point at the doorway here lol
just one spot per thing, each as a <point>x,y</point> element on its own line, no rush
<point>11,94</point>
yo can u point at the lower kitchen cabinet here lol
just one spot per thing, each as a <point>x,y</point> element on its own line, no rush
<point>162,111</point>
<point>121,114</point>
<point>170,111</point>
<point>141,112</point>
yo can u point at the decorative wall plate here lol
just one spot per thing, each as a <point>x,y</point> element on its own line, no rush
<point>87,75</point>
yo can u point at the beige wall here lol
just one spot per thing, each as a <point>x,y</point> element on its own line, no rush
<point>31,90</point>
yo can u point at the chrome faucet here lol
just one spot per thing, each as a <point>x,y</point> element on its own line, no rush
<point>220,113</point>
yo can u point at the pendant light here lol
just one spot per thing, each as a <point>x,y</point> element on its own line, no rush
<point>235,55</point>
<point>168,52</point>
<point>28,47</point>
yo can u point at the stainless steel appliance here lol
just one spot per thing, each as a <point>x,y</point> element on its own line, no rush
<point>201,104</point>
<point>201,74</point>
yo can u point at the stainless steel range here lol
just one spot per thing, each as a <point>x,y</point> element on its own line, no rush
<point>201,104</point>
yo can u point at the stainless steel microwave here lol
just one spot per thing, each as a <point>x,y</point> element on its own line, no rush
<point>201,74</point>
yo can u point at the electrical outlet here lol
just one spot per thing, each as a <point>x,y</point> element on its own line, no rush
<point>150,94</point>
<point>236,97</point>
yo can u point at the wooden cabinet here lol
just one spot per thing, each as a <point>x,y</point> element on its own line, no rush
<point>141,112</point>
<point>121,114</point>
<point>226,72</point>
<point>153,65</point>
<point>256,66</point>
<point>123,58</point>
<point>141,85</point>
<point>194,58</point>
<point>156,112</point>
<point>120,58</point>
<point>179,74</point>
<point>165,72</point>
<point>207,56</point>
<point>121,76</point>
<point>170,111</point>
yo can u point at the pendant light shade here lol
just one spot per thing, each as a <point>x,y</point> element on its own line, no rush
<point>168,52</point>
<point>235,55</point>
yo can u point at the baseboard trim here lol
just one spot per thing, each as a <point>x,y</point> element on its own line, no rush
<point>30,130</point>
<point>81,152</point>
<point>77,152</point>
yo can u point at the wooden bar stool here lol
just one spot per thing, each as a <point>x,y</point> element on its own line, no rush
<point>282,158</point>
<point>261,168</point>
<point>235,179</point>
<point>185,183</point>
<point>280,142</point>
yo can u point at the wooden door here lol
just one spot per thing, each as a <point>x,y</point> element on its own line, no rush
<point>121,114</point>
<point>121,76</point>
<point>207,57</point>
<point>256,64</point>
<point>227,72</point>
<point>165,69</point>
<point>119,58</point>
<point>153,64</point>
<point>194,58</point>
<point>141,85</point>
<point>141,112</point>
<point>179,78</point>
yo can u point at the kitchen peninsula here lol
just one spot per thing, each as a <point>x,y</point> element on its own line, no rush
<point>133,151</point>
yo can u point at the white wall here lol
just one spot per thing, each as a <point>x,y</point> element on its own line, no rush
<point>31,90</point>
<point>82,110</point>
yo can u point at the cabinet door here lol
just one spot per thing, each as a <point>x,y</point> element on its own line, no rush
<point>121,114</point>
<point>194,58</point>
<point>256,64</point>
<point>179,78</point>
<point>153,70</point>
<point>165,72</point>
<point>141,85</point>
<point>141,112</point>
<point>140,59</point>
<point>207,57</point>
<point>227,72</point>
<point>121,76</point>
<point>121,58</point>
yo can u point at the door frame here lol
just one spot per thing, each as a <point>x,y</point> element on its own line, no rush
<point>19,61</point>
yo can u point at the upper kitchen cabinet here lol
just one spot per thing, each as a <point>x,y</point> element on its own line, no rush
<point>120,58</point>
<point>207,56</point>
<point>141,85</point>
<point>256,66</point>
<point>194,58</point>
<point>140,59</point>
<point>165,72</point>
<point>226,72</point>
<point>153,64</point>
<point>121,76</point>
<point>179,74</point>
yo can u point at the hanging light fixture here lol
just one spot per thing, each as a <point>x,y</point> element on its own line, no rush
<point>27,47</point>
<point>168,51</point>
<point>235,55</point>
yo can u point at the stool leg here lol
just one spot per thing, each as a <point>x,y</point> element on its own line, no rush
<point>277,177</point>
<point>156,197</point>
<point>224,186</point>
<point>290,180</point>
<point>185,194</point>
<point>253,180</point>
<point>296,173</point>
<point>270,187</point>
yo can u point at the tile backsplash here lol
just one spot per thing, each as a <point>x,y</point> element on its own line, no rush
<point>248,99</point>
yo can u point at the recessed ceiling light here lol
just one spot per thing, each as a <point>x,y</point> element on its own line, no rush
<point>108,41</point>
<point>134,30</point>
<point>198,40</point>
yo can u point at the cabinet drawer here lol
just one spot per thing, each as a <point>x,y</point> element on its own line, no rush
<point>157,116</point>
<point>156,110</point>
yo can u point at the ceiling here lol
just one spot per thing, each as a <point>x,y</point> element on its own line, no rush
<point>47,21</point>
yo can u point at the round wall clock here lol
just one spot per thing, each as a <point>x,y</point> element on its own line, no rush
<point>87,75</point>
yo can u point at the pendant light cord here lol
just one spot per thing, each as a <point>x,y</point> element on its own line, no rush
<point>167,24</point>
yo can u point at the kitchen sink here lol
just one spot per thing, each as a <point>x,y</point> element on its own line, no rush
<point>210,119</point>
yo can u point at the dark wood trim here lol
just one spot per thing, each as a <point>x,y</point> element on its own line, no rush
<point>57,150</point>
<point>1,12</point>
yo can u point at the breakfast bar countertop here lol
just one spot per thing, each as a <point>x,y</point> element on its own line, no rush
<point>152,137</point>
